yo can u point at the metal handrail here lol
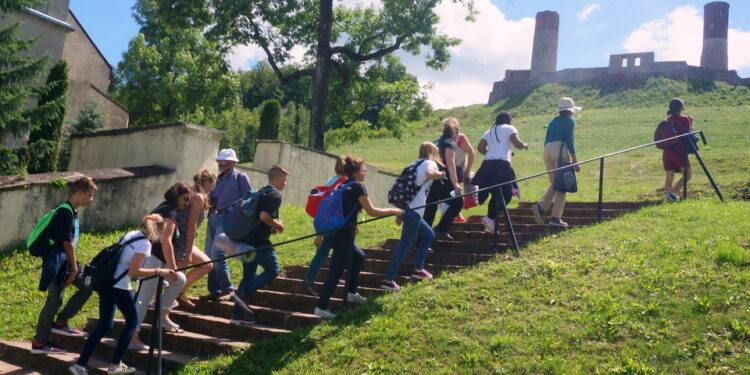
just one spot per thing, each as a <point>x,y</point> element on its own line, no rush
<point>156,324</point>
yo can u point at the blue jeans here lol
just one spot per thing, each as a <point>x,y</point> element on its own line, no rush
<point>218,279</point>
<point>317,261</point>
<point>123,300</point>
<point>413,224</point>
<point>251,281</point>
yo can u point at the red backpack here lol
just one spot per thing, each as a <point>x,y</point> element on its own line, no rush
<point>318,193</point>
<point>665,130</point>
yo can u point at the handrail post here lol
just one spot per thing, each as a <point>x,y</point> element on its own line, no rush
<point>156,331</point>
<point>686,171</point>
<point>501,200</point>
<point>601,190</point>
<point>705,170</point>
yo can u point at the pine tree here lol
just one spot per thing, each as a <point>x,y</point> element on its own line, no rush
<point>47,134</point>
<point>18,71</point>
<point>270,120</point>
<point>89,120</point>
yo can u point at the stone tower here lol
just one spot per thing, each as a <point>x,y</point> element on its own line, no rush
<point>715,28</point>
<point>544,54</point>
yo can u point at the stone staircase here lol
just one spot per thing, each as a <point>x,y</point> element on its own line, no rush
<point>281,306</point>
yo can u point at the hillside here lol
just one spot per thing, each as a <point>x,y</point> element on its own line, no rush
<point>606,299</point>
<point>612,119</point>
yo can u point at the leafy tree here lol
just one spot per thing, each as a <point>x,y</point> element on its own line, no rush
<point>172,73</point>
<point>49,130</point>
<point>270,120</point>
<point>88,121</point>
<point>19,70</point>
<point>240,126</point>
<point>331,38</point>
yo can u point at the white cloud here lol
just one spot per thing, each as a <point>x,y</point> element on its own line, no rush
<point>675,37</point>
<point>490,45</point>
<point>586,12</point>
<point>244,57</point>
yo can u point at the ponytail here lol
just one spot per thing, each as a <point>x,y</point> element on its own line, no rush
<point>151,226</point>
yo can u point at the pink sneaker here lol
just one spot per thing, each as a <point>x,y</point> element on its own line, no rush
<point>66,330</point>
<point>46,348</point>
<point>421,275</point>
<point>390,285</point>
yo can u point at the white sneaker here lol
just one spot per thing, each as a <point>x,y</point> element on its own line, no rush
<point>325,314</point>
<point>78,370</point>
<point>489,224</point>
<point>355,298</point>
<point>120,369</point>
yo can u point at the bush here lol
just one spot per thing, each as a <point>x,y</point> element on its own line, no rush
<point>14,161</point>
<point>270,120</point>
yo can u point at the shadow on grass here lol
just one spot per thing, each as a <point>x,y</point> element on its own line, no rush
<point>266,357</point>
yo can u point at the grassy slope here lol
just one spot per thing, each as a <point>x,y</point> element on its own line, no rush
<point>599,131</point>
<point>610,299</point>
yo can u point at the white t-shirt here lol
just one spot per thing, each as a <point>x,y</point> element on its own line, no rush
<point>138,247</point>
<point>498,141</point>
<point>421,198</point>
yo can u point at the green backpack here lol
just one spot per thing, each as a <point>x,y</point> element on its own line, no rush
<point>39,241</point>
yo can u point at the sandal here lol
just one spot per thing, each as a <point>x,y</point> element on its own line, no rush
<point>184,301</point>
<point>171,327</point>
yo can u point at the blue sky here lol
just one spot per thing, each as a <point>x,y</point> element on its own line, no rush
<point>501,37</point>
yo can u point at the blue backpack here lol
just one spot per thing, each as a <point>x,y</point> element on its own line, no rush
<point>242,216</point>
<point>330,215</point>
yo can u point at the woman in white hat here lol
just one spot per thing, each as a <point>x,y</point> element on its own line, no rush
<point>558,143</point>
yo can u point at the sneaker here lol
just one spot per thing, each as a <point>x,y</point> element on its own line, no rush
<point>421,275</point>
<point>243,301</point>
<point>459,219</point>
<point>443,236</point>
<point>325,314</point>
<point>137,347</point>
<point>47,348</point>
<point>554,222</point>
<point>489,224</point>
<point>120,369</point>
<point>390,285</point>
<point>672,197</point>
<point>65,330</point>
<point>355,298</point>
<point>243,318</point>
<point>78,370</point>
<point>308,287</point>
<point>536,210</point>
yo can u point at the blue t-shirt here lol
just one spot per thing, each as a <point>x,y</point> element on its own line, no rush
<point>560,129</point>
<point>229,188</point>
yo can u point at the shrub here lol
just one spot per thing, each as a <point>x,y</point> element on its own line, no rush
<point>270,120</point>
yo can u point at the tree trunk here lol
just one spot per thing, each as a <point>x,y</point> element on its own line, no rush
<point>322,75</point>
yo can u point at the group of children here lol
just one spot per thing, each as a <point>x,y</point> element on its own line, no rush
<point>165,239</point>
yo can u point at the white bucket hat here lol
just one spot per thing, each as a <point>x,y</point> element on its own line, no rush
<point>567,104</point>
<point>227,154</point>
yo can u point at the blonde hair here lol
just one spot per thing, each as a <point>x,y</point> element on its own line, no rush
<point>428,150</point>
<point>203,176</point>
<point>151,226</point>
<point>450,122</point>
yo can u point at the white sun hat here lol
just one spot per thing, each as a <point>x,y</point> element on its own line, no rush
<point>227,154</point>
<point>567,104</point>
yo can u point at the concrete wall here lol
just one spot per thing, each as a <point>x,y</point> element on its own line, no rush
<point>184,147</point>
<point>310,168</point>
<point>124,196</point>
<point>85,61</point>
<point>113,115</point>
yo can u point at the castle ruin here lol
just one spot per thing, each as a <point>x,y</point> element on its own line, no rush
<point>623,68</point>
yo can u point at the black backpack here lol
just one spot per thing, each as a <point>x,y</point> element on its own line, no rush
<point>405,187</point>
<point>99,274</point>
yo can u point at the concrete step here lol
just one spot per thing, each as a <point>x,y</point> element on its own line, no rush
<point>217,325</point>
<point>366,278</point>
<point>470,247</point>
<point>171,361</point>
<point>196,320</point>
<point>13,369</point>
<point>292,285</point>
<point>606,205</point>
<point>462,259</point>
<point>570,212</point>
<point>18,353</point>
<point>188,342</point>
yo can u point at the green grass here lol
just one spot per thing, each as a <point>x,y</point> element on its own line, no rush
<point>607,299</point>
<point>19,271</point>
<point>633,176</point>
